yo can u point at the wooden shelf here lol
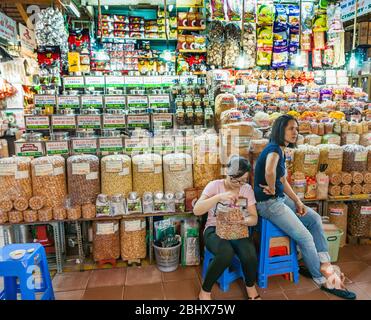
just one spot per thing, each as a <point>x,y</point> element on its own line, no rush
<point>192,28</point>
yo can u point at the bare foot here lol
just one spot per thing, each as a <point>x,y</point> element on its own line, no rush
<point>204,295</point>
<point>252,293</point>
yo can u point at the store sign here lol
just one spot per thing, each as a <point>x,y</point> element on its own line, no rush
<point>73,82</point>
<point>137,145</point>
<point>137,102</point>
<point>114,121</point>
<point>139,121</point>
<point>348,8</point>
<point>37,122</point>
<point>107,145</point>
<point>115,102</point>
<point>56,147</point>
<point>29,149</point>
<point>68,102</point>
<point>133,81</point>
<point>112,81</point>
<point>95,102</point>
<point>88,122</point>
<point>84,145</point>
<point>164,120</point>
<point>91,81</point>
<point>28,41</point>
<point>8,28</point>
<point>169,80</point>
<point>63,122</point>
<point>42,101</point>
<point>154,81</point>
<point>162,101</point>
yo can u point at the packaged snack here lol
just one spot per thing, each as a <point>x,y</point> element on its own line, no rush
<point>234,9</point>
<point>280,57</point>
<point>250,13</point>
<point>281,19</point>
<point>217,9</point>
<point>265,14</point>
<point>320,21</point>
<point>317,59</point>
<point>294,18</point>
<point>307,13</point>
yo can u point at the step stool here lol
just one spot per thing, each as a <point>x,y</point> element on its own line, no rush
<point>23,269</point>
<point>270,266</point>
<point>229,275</point>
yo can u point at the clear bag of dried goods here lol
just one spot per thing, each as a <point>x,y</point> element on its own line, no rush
<point>178,174</point>
<point>147,173</point>
<point>359,218</point>
<point>306,159</point>
<point>338,213</point>
<point>368,158</point>
<point>228,222</point>
<point>15,177</point>
<point>190,242</point>
<point>350,138</point>
<point>133,239</point>
<point>331,156</point>
<point>106,240</point>
<point>312,139</point>
<point>365,139</point>
<point>223,102</point>
<point>116,175</point>
<point>83,179</point>
<point>331,138</point>
<point>322,185</point>
<point>354,158</point>
<point>206,164</point>
<point>299,184</point>
<point>49,180</point>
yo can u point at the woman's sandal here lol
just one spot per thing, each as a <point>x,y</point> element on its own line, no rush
<point>335,284</point>
<point>258,297</point>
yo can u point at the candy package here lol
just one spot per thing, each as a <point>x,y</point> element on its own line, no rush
<point>281,19</point>
<point>265,35</point>
<point>294,18</point>
<point>320,21</point>
<point>280,39</point>
<point>234,8</point>
<point>280,57</point>
<point>265,14</point>
<point>250,13</point>
<point>264,55</point>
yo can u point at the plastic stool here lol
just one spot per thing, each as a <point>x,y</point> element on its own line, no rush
<point>270,266</point>
<point>23,269</point>
<point>229,275</point>
<point>279,251</point>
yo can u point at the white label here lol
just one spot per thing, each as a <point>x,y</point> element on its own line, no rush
<point>94,81</point>
<point>184,143</point>
<point>137,101</point>
<point>29,148</point>
<point>92,101</point>
<point>352,138</point>
<point>336,212</point>
<point>114,121</point>
<point>115,101</point>
<point>80,168</point>
<point>366,210</point>
<point>41,122</point>
<point>124,172</point>
<point>92,176</point>
<point>360,156</point>
<point>133,80</point>
<point>8,169</point>
<point>114,166</point>
<point>152,80</point>
<point>43,169</point>
<point>138,120</point>
<point>110,144</point>
<point>160,118</point>
<point>73,81</point>
<point>84,145</point>
<point>57,147</point>
<point>334,140</point>
<point>112,81</point>
<point>287,89</point>
<point>58,171</point>
<point>169,79</point>
<point>132,225</point>
<point>136,144</point>
<point>177,165</point>
<point>335,154</point>
<point>68,101</point>
<point>158,169</point>
<point>311,158</point>
<point>105,228</point>
<point>159,101</point>
<point>44,100</point>
<point>147,167</point>
<point>88,121</point>
<point>21,175</point>
<point>63,122</point>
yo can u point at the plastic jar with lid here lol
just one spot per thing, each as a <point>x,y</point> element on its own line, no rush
<point>209,118</point>
<point>199,117</point>
<point>117,205</point>
<point>180,116</point>
<point>189,116</point>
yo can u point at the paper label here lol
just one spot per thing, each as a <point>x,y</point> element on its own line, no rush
<point>311,158</point>
<point>162,101</point>
<point>162,120</point>
<point>152,81</point>
<point>58,171</point>
<point>137,144</point>
<point>111,121</point>
<point>138,102</point>
<point>114,166</point>
<point>139,121</point>
<point>184,144</point>
<point>133,81</point>
<point>80,168</point>
<point>365,210</point>
<point>334,140</point>
<point>163,144</point>
<point>56,147</point>
<point>8,169</point>
<point>115,102</point>
<point>158,169</point>
<point>92,176</point>
<point>360,156</point>
<point>168,80</point>
<point>63,122</point>
<point>112,81</point>
<point>124,172</point>
<point>73,82</point>
<point>43,169</point>
<point>177,165</point>
<point>44,100</point>
<point>29,149</point>
<point>352,138</point>
<point>88,121</point>
<point>84,145</point>
<point>110,145</point>
<point>37,122</point>
<point>335,154</point>
<point>72,102</point>
<point>336,212</point>
<point>148,166</point>
<point>90,101</point>
<point>105,228</point>
<point>22,175</point>
<point>92,81</point>
<point>132,225</point>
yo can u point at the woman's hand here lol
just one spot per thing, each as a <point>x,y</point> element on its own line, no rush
<point>300,208</point>
<point>268,190</point>
<point>228,196</point>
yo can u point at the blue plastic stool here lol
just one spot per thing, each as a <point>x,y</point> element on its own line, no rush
<point>270,266</point>
<point>23,269</point>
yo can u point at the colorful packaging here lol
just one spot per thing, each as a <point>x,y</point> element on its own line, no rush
<point>265,14</point>
<point>217,9</point>
<point>281,18</point>
<point>320,21</point>
<point>307,14</point>
<point>250,13</point>
<point>234,8</point>
<point>294,18</point>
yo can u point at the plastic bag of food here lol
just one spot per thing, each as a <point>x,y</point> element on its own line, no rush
<point>190,242</point>
<point>217,9</point>
<point>354,158</point>
<point>223,102</point>
<point>331,138</point>
<point>106,240</point>
<point>280,57</point>
<point>359,219</point>
<point>133,239</point>
<point>265,14</point>
<point>299,184</point>
<point>281,18</point>
<point>234,8</point>
<point>313,139</point>
<point>365,139</point>
<point>227,226</point>
<point>306,160</point>
<point>307,13</point>
<point>322,186</point>
<point>177,172</point>
<point>331,156</point>
<point>249,11</point>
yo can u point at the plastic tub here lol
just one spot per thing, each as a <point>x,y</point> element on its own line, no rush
<point>333,239</point>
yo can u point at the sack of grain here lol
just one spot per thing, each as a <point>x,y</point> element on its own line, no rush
<point>133,239</point>
<point>178,174</point>
<point>106,240</point>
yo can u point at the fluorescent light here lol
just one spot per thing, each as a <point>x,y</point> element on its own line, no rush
<point>71,7</point>
<point>106,7</point>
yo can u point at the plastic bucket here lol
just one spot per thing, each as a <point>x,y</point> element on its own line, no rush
<point>167,259</point>
<point>333,240</point>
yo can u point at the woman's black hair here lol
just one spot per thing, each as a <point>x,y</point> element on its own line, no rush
<point>278,130</point>
<point>237,166</point>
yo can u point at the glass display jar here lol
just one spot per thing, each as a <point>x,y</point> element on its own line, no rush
<point>180,116</point>
<point>199,117</point>
<point>189,116</point>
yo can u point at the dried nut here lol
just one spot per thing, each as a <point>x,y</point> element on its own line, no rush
<point>133,239</point>
<point>6,204</point>
<point>88,211</point>
<point>30,215</point>
<point>15,216</point>
<point>45,214</point>
<point>49,180</point>
<point>36,202</point>
<point>226,226</point>
<point>106,240</point>
<point>354,158</point>
<point>59,213</point>
<point>74,213</point>
<point>20,203</point>
<point>306,160</point>
<point>332,156</point>
<point>3,217</point>
<point>358,223</point>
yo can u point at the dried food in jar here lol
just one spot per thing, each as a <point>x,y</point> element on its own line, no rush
<point>36,202</point>
<point>359,219</point>
<point>88,211</point>
<point>346,178</point>
<point>30,215</point>
<point>338,213</point>
<point>20,203</point>
<point>116,175</point>
<point>133,239</point>
<point>346,190</point>
<point>49,179</point>
<point>45,214</point>
<point>6,204</point>
<point>357,177</point>
<point>74,213</point>
<point>83,178</point>
<point>335,178</point>
<point>15,216</point>
<point>106,240</point>
<point>59,213</point>
<point>15,177</point>
<point>357,189</point>
<point>147,173</point>
<point>177,172</point>
<point>3,217</point>
<point>354,158</point>
<point>334,191</point>
<point>331,155</point>
<point>306,159</point>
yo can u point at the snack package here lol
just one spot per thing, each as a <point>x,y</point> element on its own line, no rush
<point>190,242</point>
<point>307,13</point>
<point>265,14</point>
<point>250,12</point>
<point>320,21</point>
<point>234,10</point>
<point>265,35</point>
<point>317,59</point>
<point>217,9</point>
<point>280,57</point>
<point>281,18</point>
<point>294,18</point>
<point>319,40</point>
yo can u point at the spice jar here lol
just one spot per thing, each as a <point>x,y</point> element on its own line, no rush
<point>179,102</point>
<point>205,102</point>
<point>180,116</point>
<point>147,202</point>
<point>117,205</point>
<point>209,118</point>
<point>159,204</point>
<point>103,206</point>
<point>134,204</point>
<point>188,101</point>
<point>189,116</point>
<point>179,202</point>
<point>199,116</point>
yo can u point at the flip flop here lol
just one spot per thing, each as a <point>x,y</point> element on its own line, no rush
<point>305,272</point>
<point>344,293</point>
<point>254,298</point>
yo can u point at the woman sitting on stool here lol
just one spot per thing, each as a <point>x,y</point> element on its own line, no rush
<point>229,190</point>
<point>278,203</point>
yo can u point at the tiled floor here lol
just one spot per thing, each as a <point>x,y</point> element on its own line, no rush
<point>148,283</point>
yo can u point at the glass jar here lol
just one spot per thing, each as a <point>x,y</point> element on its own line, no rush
<point>170,202</point>
<point>199,117</point>
<point>197,101</point>
<point>159,204</point>
<point>180,116</point>
<point>189,116</point>
<point>148,202</point>
<point>134,204</point>
<point>188,101</point>
<point>59,136</point>
<point>209,118</point>
<point>179,202</point>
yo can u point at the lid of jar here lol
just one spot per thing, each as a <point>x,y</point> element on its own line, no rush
<point>169,196</point>
<point>85,134</point>
<point>147,196</point>
<point>59,136</point>
<point>32,136</point>
<point>133,196</point>
<point>102,198</point>
<point>159,195</point>
<point>117,197</point>
<point>179,195</point>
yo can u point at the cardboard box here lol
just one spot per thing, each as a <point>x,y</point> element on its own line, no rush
<point>363,33</point>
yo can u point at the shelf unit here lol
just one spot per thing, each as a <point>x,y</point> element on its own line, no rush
<point>192,28</point>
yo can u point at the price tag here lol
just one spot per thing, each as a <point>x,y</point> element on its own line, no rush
<point>335,154</point>
<point>184,144</point>
<point>84,145</point>
<point>177,165</point>
<point>58,171</point>
<point>360,156</point>
<point>73,82</point>
<point>311,158</point>
<point>164,120</point>
<point>133,81</point>
<point>334,140</point>
<point>92,176</point>
<point>90,101</point>
<point>336,211</point>
<point>163,144</point>
<point>88,121</point>
<point>112,81</point>
<point>139,121</point>
<point>169,80</point>
<point>56,147</point>
<point>63,122</point>
<point>41,101</point>
<point>43,169</point>
<point>132,225</point>
<point>137,102</point>
<point>107,145</point>
<point>29,149</point>
<point>352,138</point>
<point>71,102</point>
<point>115,102</point>
<point>146,167</point>
<point>137,145</point>
<point>160,101</point>
<point>22,175</point>
<point>114,166</point>
<point>366,210</point>
<point>152,81</point>
<point>80,168</point>
<point>105,228</point>
<point>93,81</point>
<point>37,122</point>
<point>8,169</point>
<point>113,121</point>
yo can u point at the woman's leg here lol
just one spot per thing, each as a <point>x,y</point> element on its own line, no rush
<point>223,255</point>
<point>283,217</point>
